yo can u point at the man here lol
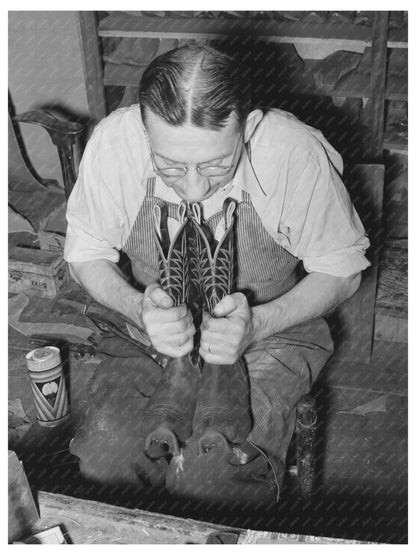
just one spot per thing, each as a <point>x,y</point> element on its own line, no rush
<point>195,137</point>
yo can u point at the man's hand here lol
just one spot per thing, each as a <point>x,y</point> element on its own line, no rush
<point>225,337</point>
<point>170,328</point>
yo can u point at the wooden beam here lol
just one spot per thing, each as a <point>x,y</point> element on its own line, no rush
<point>91,61</point>
<point>340,35</point>
<point>92,522</point>
<point>378,85</point>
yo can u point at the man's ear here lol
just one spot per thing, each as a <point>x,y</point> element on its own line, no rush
<point>252,121</point>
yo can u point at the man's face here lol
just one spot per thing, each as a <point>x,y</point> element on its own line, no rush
<point>194,147</point>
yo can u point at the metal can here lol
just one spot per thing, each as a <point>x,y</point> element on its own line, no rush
<point>48,386</point>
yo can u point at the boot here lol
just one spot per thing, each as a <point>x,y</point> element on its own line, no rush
<point>222,415</point>
<point>167,422</point>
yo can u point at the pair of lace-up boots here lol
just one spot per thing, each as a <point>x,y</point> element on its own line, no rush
<point>207,401</point>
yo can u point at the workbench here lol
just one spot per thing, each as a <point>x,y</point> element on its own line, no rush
<point>91,522</point>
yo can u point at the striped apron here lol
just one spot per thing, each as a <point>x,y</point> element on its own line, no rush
<point>264,269</point>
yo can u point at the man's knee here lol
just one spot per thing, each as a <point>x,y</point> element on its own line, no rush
<point>114,463</point>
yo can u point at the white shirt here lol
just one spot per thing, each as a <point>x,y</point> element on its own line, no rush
<point>293,179</point>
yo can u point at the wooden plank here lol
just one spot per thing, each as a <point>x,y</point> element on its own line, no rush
<point>341,35</point>
<point>392,290</point>
<point>91,61</point>
<point>92,522</point>
<point>358,85</point>
<point>396,146</point>
<point>352,324</point>
<point>396,138</point>
<point>387,372</point>
<point>390,328</point>
<point>378,85</point>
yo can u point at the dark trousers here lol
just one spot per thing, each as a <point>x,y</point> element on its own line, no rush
<point>281,369</point>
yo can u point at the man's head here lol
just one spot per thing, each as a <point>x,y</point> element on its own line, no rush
<point>195,105</point>
<point>198,85</point>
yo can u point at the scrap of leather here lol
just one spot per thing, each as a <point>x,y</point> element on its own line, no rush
<point>17,305</point>
<point>112,326</point>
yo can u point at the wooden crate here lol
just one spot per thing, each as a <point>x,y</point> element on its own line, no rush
<point>37,272</point>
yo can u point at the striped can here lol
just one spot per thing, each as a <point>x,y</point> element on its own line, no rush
<point>48,386</point>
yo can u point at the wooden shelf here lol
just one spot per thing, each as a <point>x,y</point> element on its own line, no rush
<point>396,145</point>
<point>355,86</point>
<point>341,35</point>
<point>394,140</point>
<point>358,85</point>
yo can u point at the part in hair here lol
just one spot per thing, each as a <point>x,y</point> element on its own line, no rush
<point>195,84</point>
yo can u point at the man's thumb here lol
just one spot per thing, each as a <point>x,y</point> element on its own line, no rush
<point>229,304</point>
<point>155,296</point>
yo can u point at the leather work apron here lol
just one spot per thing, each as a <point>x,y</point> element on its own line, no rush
<point>281,368</point>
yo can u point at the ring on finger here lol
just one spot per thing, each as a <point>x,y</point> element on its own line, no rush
<point>210,347</point>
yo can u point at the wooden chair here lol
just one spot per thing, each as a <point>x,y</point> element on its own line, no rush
<point>63,135</point>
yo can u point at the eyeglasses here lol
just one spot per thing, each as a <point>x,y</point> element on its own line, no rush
<point>173,173</point>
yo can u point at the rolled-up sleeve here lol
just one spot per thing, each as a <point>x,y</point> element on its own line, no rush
<point>321,224</point>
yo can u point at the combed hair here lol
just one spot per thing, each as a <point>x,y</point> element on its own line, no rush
<point>195,84</point>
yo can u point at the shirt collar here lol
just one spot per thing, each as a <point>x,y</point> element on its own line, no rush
<point>245,176</point>
<point>148,169</point>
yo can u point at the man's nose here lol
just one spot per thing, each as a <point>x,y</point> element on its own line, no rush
<point>195,186</point>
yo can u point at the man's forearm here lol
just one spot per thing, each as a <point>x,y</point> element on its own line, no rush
<point>107,284</point>
<point>313,297</point>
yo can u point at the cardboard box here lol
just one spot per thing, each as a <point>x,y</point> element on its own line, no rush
<point>52,535</point>
<point>37,272</point>
<point>52,230</point>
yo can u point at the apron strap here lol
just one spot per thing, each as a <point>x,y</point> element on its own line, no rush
<point>248,149</point>
<point>150,186</point>
<point>245,195</point>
